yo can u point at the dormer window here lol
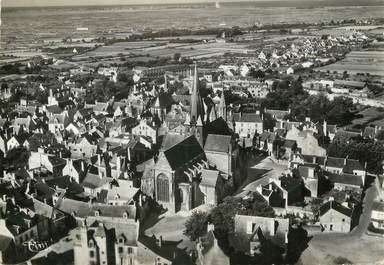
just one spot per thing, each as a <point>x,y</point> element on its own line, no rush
<point>97,213</point>
<point>121,240</point>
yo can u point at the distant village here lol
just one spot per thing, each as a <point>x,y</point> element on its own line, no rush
<point>189,163</point>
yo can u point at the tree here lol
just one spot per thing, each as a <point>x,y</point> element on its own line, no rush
<point>177,57</point>
<point>16,158</point>
<point>257,73</point>
<point>371,153</point>
<point>269,122</point>
<point>196,225</point>
<point>223,215</point>
<point>339,111</point>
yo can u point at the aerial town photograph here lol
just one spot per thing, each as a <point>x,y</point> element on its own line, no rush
<point>191,132</point>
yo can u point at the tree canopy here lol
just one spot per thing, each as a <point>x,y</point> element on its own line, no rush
<point>223,215</point>
<point>196,225</point>
<point>370,152</point>
<point>291,95</point>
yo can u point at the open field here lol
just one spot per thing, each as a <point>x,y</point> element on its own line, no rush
<point>368,116</point>
<point>371,62</point>
<point>148,50</point>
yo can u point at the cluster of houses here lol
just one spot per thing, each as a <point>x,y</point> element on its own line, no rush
<point>95,170</point>
<point>291,55</point>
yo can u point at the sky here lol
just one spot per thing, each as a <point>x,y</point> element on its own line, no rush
<point>99,2</point>
<point>7,3</point>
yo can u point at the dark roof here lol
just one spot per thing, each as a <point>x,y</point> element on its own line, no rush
<point>289,183</point>
<point>66,183</point>
<point>57,161</point>
<point>184,152</point>
<point>247,117</point>
<point>167,249</point>
<point>348,179</point>
<point>171,139</point>
<point>304,171</point>
<point>351,165</point>
<point>335,206</point>
<point>335,162</point>
<point>84,209</point>
<point>218,126</point>
<point>20,220</point>
<point>54,109</point>
<point>267,136</point>
<point>320,160</point>
<point>165,100</point>
<point>218,143</point>
<point>289,143</point>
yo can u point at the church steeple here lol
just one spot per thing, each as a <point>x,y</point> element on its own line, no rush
<point>197,108</point>
<point>222,107</point>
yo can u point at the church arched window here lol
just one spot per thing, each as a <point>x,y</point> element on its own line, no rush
<point>162,188</point>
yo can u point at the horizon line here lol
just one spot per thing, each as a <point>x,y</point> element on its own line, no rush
<point>172,2</point>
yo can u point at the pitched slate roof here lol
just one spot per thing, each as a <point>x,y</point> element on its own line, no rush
<point>84,209</point>
<point>352,165</point>
<point>218,126</point>
<point>335,206</point>
<point>218,143</point>
<point>166,250</point>
<point>61,118</point>
<point>335,162</point>
<point>247,117</point>
<point>54,109</point>
<point>65,182</point>
<point>267,136</point>
<point>347,179</point>
<point>94,181</point>
<point>289,143</point>
<point>320,160</point>
<point>184,152</point>
<point>278,114</point>
<point>171,139</point>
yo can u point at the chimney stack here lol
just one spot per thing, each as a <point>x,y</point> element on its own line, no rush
<point>159,241</point>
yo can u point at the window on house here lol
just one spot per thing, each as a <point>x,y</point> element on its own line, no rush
<point>129,250</point>
<point>120,249</point>
<point>91,253</point>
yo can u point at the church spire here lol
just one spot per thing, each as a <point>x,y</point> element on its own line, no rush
<point>197,109</point>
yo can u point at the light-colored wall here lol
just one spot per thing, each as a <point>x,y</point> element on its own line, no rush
<point>335,219</point>
<point>222,161</point>
<point>245,128</point>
